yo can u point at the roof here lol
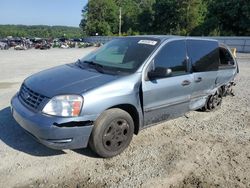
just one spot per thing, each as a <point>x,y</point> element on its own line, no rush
<point>159,37</point>
<point>163,38</point>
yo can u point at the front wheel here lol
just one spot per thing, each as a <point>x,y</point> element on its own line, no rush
<point>112,132</point>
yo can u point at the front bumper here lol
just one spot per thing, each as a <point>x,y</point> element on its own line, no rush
<point>44,128</point>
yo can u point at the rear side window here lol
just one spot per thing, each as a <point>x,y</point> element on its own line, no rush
<point>204,55</point>
<point>173,56</point>
<point>226,58</point>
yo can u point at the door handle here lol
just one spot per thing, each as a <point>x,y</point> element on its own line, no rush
<point>199,79</point>
<point>185,83</point>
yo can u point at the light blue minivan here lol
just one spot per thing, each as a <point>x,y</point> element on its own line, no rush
<point>128,84</point>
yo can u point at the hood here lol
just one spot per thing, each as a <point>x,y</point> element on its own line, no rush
<point>66,79</point>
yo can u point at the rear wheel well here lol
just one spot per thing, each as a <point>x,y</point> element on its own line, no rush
<point>132,112</point>
<point>223,89</point>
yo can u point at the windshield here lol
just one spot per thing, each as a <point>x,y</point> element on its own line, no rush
<point>122,55</point>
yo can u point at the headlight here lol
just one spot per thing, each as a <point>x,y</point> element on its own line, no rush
<point>64,105</point>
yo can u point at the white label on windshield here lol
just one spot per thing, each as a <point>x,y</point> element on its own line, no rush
<point>149,42</point>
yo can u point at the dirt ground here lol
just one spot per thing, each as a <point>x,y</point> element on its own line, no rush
<point>200,150</point>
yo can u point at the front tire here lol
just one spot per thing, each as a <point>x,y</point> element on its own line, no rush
<point>112,133</point>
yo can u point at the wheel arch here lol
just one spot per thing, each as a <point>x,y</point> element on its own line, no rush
<point>129,108</point>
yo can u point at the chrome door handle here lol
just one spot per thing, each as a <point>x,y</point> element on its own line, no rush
<point>185,83</point>
<point>199,79</point>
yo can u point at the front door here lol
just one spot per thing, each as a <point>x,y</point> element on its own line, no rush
<point>168,97</point>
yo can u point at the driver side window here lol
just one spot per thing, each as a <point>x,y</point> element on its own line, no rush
<point>173,56</point>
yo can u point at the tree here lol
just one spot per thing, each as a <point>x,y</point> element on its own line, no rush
<point>166,18</point>
<point>146,16</point>
<point>193,14</point>
<point>178,17</point>
<point>84,19</point>
<point>100,16</point>
<point>136,14</point>
<point>42,31</point>
<point>130,10</point>
<point>228,17</point>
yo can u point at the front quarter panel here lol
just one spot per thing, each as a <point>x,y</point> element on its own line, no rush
<point>122,91</point>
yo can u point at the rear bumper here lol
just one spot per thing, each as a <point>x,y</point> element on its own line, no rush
<point>44,129</point>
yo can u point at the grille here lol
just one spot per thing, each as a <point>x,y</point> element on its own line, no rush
<point>30,98</point>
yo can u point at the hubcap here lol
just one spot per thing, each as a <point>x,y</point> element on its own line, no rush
<point>116,135</point>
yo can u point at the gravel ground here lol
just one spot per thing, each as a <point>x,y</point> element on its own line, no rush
<point>200,150</point>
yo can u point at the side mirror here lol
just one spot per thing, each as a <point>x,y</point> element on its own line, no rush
<point>159,72</point>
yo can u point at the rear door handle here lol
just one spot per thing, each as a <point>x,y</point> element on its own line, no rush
<point>199,79</point>
<point>185,83</point>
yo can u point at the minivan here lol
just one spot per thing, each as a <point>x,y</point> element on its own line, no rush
<point>128,84</point>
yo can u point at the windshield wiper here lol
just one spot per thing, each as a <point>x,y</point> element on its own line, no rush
<point>95,65</point>
<point>79,64</point>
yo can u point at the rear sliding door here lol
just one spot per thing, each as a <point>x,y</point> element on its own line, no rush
<point>204,59</point>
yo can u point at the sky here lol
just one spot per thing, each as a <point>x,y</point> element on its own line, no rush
<point>41,12</point>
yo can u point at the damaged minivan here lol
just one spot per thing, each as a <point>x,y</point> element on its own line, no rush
<point>127,85</point>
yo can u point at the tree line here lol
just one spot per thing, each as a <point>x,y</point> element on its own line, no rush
<point>42,31</point>
<point>177,17</point>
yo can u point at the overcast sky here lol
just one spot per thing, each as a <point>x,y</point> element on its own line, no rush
<point>41,12</point>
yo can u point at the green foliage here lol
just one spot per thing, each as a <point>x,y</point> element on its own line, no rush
<point>100,16</point>
<point>40,31</point>
<point>178,17</point>
<point>130,10</point>
<point>228,17</point>
<point>146,16</point>
<point>166,17</point>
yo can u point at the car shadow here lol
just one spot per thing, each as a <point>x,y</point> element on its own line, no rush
<point>87,152</point>
<point>17,138</point>
<point>14,136</point>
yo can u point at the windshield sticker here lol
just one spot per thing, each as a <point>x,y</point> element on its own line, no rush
<point>149,42</point>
